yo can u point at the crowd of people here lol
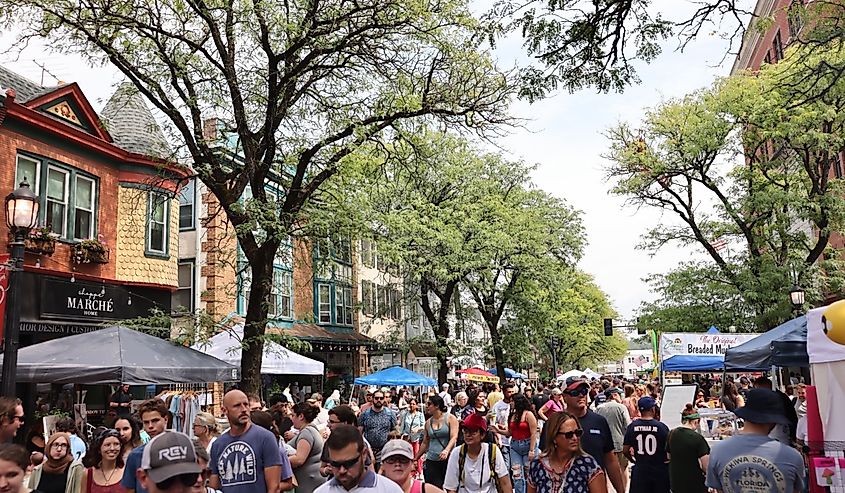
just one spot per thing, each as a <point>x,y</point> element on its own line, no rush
<point>573,436</point>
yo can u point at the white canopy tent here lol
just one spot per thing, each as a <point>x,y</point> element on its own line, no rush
<point>277,360</point>
<point>570,373</point>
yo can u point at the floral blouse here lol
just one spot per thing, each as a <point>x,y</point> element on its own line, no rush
<point>574,479</point>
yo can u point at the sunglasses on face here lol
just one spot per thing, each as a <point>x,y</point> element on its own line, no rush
<point>397,460</point>
<point>19,418</point>
<point>184,479</point>
<point>570,434</point>
<point>577,392</point>
<point>345,464</point>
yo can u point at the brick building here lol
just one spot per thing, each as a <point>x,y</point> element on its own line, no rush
<point>106,245</point>
<point>314,290</point>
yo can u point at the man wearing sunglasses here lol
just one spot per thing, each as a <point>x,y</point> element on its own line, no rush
<point>11,410</point>
<point>375,423</point>
<point>169,464</point>
<point>346,460</point>
<point>597,439</point>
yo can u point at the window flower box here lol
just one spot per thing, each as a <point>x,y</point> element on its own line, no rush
<point>90,252</point>
<point>40,241</point>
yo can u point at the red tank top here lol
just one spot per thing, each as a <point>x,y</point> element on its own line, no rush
<point>418,486</point>
<point>519,431</point>
<point>96,488</point>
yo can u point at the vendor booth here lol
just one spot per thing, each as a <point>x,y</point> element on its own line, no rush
<point>825,428</point>
<point>783,346</point>
<point>395,376</point>
<point>276,359</point>
<point>478,375</point>
<point>116,355</point>
<point>686,363</point>
<point>509,373</point>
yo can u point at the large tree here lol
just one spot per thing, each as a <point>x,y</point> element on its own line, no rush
<point>560,311</point>
<point>741,164</point>
<point>297,86</point>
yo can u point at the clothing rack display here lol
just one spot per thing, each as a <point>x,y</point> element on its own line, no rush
<point>184,405</point>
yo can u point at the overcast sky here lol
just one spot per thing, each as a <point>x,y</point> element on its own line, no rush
<point>564,135</point>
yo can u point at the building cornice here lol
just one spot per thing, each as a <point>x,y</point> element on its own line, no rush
<point>753,36</point>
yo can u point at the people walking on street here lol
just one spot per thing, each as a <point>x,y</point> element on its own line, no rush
<point>265,420</point>
<point>203,459</point>
<point>333,400</point>
<point>246,458</point>
<point>553,405</point>
<point>496,394</point>
<point>169,464</point>
<point>343,415</point>
<point>521,431</point>
<point>476,467</point>
<point>630,401</point>
<point>14,461</point>
<point>597,440</point>
<point>205,429</point>
<point>59,473</point>
<point>563,466</point>
<point>346,459</point>
<point>439,438</point>
<point>772,465</point>
<point>130,434</point>
<point>375,423</point>
<point>645,446</point>
<point>154,415</point>
<point>11,418</point>
<point>400,467</point>
<point>308,444</point>
<point>731,399</point>
<point>461,399</point>
<point>785,434</point>
<point>411,425</point>
<point>77,445</point>
<point>104,464</point>
<point>446,396</point>
<point>618,419</point>
<point>688,454</point>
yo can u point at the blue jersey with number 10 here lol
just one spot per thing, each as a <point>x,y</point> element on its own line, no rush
<point>647,439</point>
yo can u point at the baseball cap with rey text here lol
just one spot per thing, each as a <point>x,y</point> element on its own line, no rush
<point>169,454</point>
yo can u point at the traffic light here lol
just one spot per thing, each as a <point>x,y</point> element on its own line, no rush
<point>608,327</point>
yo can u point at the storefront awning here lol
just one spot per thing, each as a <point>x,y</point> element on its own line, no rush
<point>315,334</point>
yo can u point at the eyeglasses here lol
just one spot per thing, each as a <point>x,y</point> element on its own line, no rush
<point>580,392</point>
<point>397,459</point>
<point>345,464</point>
<point>60,445</point>
<point>334,421</point>
<point>570,434</point>
<point>471,431</point>
<point>378,398</point>
<point>186,480</point>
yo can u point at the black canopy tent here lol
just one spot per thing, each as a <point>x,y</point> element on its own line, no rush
<point>119,355</point>
<point>783,346</point>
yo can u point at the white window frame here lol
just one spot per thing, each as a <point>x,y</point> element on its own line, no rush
<point>66,203</point>
<point>347,305</point>
<point>324,301</point>
<point>34,182</point>
<point>190,287</point>
<point>150,214</point>
<point>92,211</point>
<point>191,202</point>
<point>286,291</point>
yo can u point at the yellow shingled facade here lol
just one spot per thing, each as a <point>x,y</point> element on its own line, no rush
<point>131,262</point>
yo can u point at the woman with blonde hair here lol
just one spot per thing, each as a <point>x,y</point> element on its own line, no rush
<point>59,473</point>
<point>630,401</point>
<point>564,467</point>
<point>206,430</point>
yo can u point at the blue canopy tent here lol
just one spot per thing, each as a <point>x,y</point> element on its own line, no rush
<point>396,375</point>
<point>713,330</point>
<point>785,346</point>
<point>687,363</point>
<point>509,373</point>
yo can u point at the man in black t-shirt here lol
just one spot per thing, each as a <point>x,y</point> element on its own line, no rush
<point>121,401</point>
<point>597,439</point>
<point>645,446</point>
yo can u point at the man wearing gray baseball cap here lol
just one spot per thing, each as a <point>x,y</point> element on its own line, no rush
<point>169,464</point>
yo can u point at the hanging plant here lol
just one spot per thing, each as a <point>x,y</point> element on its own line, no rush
<point>90,252</point>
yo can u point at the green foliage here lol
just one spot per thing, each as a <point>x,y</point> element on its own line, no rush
<point>566,304</point>
<point>742,163</point>
<point>295,88</point>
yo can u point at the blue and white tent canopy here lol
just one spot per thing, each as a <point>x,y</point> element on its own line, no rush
<point>396,375</point>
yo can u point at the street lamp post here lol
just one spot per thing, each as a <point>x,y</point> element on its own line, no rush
<point>553,345</point>
<point>796,297</point>
<point>21,216</point>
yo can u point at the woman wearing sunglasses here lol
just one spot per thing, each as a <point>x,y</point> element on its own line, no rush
<point>400,467</point>
<point>59,473</point>
<point>564,467</point>
<point>104,463</point>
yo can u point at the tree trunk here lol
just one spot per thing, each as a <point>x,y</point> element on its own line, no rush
<point>439,322</point>
<point>261,268</point>
<point>496,339</point>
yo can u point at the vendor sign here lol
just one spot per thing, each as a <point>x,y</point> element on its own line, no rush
<point>699,344</point>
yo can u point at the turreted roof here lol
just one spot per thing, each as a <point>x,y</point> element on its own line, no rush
<point>131,124</point>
